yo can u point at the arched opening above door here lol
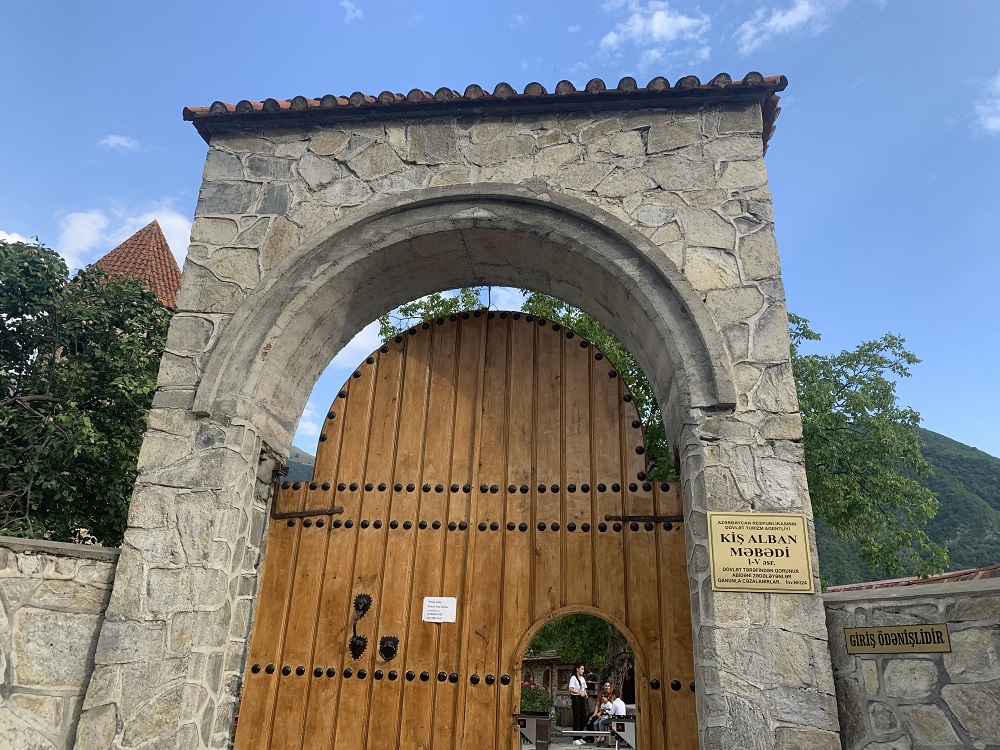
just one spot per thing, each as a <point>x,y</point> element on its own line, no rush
<point>311,304</point>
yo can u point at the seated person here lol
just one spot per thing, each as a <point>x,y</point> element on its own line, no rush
<point>615,708</point>
<point>603,697</point>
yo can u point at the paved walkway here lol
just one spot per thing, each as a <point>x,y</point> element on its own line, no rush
<point>556,741</point>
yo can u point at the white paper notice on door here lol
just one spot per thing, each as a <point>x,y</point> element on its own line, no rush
<point>440,608</point>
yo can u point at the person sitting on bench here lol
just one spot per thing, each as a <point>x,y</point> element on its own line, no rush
<point>603,697</point>
<point>617,708</point>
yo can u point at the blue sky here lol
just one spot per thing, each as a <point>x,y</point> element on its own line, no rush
<point>882,168</point>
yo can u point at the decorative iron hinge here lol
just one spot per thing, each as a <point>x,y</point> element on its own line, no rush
<point>335,511</point>
<point>654,519</point>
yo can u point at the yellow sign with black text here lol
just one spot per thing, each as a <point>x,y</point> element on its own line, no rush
<point>765,552</point>
<point>898,639</point>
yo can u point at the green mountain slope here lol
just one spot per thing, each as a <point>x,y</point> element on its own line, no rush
<point>300,465</point>
<point>967,483</point>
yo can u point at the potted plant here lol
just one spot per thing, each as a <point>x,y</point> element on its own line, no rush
<point>535,699</point>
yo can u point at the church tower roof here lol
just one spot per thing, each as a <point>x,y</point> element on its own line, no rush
<point>146,255</point>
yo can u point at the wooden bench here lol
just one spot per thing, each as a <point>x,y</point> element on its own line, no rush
<point>584,733</point>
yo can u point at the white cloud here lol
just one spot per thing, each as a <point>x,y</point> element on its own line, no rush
<point>655,23</point>
<point>123,143</point>
<point>988,108</point>
<point>573,29</point>
<point>518,20</point>
<point>87,235</point>
<point>656,31</point>
<point>12,237</point>
<point>351,11</point>
<point>309,423</point>
<point>801,17</point>
<point>79,233</point>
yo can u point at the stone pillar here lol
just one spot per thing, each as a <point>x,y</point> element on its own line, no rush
<point>169,660</point>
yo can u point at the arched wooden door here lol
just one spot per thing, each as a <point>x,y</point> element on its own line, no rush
<point>475,457</point>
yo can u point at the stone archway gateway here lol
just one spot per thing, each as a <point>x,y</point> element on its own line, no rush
<point>493,459</point>
<point>647,207</point>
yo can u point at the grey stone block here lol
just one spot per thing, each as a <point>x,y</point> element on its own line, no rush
<point>222,165</point>
<point>928,726</point>
<point>276,200</point>
<point>227,198</point>
<point>260,167</point>
<point>910,678</point>
<point>53,649</point>
<point>977,708</point>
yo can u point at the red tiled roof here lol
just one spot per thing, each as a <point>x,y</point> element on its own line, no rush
<point>972,574</point>
<point>146,255</point>
<point>444,100</point>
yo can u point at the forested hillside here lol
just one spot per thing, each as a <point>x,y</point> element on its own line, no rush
<point>967,483</point>
<point>300,465</point>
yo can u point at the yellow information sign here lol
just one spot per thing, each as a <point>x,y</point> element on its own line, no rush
<point>898,639</point>
<point>760,552</point>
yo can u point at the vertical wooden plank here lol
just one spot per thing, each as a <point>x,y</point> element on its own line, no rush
<point>296,667</point>
<point>579,576</point>
<point>641,567</point>
<point>517,546</point>
<point>639,497</point>
<point>548,468</point>
<point>678,652</point>
<point>369,562</point>
<point>336,601</point>
<point>332,632</point>
<point>446,731</point>
<point>354,405</point>
<point>644,621</point>
<point>330,441</point>
<point>609,575</point>
<point>261,679</point>
<point>482,624</point>
<point>409,436</point>
<point>420,648</point>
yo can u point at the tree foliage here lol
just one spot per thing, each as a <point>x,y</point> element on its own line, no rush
<point>863,451</point>
<point>579,639</point>
<point>586,639</point>
<point>78,363</point>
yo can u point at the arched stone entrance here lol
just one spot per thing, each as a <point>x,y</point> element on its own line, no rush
<point>648,208</point>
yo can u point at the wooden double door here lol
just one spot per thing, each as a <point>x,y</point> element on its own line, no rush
<point>476,457</point>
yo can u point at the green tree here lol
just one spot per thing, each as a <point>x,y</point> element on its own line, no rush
<point>78,364</point>
<point>863,451</point>
<point>579,639</point>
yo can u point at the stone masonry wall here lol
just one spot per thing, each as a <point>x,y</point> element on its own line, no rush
<point>52,602</point>
<point>912,702</point>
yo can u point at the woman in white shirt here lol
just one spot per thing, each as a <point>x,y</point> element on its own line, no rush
<point>578,696</point>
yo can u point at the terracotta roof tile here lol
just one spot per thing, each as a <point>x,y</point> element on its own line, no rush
<point>419,103</point>
<point>972,574</point>
<point>146,255</point>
